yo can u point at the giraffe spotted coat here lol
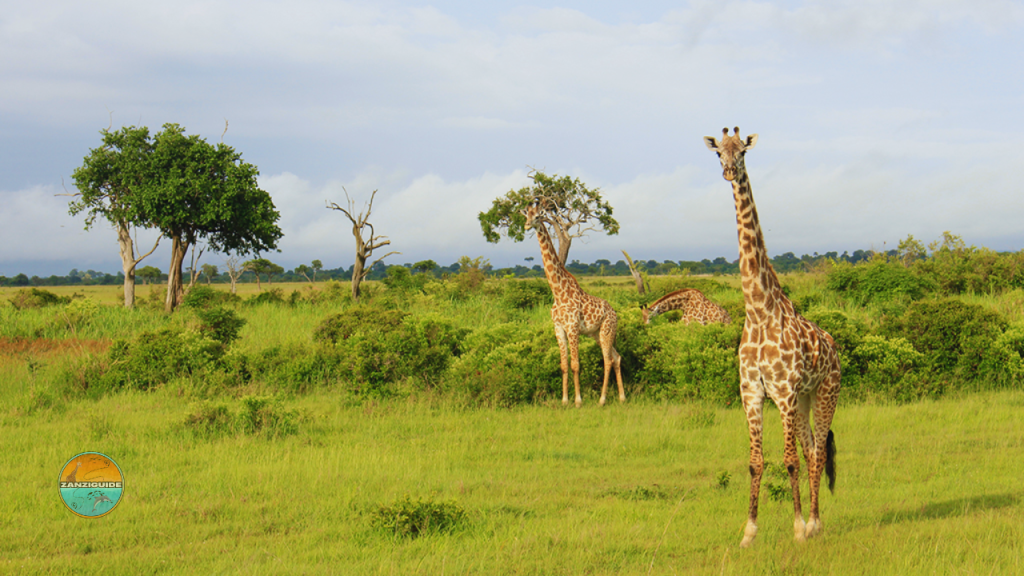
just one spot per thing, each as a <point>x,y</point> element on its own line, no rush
<point>694,305</point>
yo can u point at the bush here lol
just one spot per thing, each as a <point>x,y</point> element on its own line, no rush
<point>358,319</point>
<point>272,296</point>
<point>526,294</point>
<point>264,415</point>
<point>412,518</point>
<point>220,324</point>
<point>887,369</point>
<point>877,280</point>
<point>955,337</point>
<point>692,362</point>
<point>200,296</point>
<point>36,298</point>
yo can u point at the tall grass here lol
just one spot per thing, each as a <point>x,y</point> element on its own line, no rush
<point>926,488</point>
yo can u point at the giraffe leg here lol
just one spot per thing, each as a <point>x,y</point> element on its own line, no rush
<point>791,420</point>
<point>618,375</point>
<point>574,359</point>
<point>563,350</point>
<point>606,338</point>
<point>753,403</point>
<point>802,423</point>
<point>824,409</point>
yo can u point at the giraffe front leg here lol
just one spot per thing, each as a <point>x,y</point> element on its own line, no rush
<point>753,402</point>
<point>791,421</point>
<point>574,359</point>
<point>824,447</point>
<point>563,351</point>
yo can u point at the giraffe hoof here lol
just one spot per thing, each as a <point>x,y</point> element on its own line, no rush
<point>748,535</point>
<point>579,403</point>
<point>813,528</point>
<point>799,530</point>
<point>602,401</point>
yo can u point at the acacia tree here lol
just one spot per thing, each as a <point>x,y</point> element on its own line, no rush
<point>110,183</point>
<point>210,271</point>
<point>149,273</point>
<point>365,243</point>
<point>567,205</point>
<point>204,192</point>
<point>303,271</point>
<point>316,266</point>
<point>262,266</point>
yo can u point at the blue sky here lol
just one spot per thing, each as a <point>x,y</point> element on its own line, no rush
<point>876,119</point>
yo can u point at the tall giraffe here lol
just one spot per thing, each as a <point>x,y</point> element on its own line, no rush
<point>781,355</point>
<point>574,313</point>
<point>694,304</point>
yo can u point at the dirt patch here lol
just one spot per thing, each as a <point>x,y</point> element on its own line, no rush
<point>50,347</point>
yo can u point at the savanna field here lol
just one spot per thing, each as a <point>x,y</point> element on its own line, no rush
<point>420,430</point>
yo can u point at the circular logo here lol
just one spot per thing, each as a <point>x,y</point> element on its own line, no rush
<point>91,484</point>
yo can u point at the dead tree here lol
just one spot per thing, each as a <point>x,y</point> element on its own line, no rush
<point>365,244</point>
<point>235,270</point>
<point>636,274</point>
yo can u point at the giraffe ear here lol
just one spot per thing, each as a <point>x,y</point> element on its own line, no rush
<point>712,145</point>
<point>751,141</point>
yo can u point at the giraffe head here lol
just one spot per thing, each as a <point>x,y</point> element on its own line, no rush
<point>730,150</point>
<point>534,213</point>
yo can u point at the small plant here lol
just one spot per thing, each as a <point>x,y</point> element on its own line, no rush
<point>413,518</point>
<point>264,415</point>
<point>723,479</point>
<point>221,324</point>
<point>36,298</point>
<point>209,419</point>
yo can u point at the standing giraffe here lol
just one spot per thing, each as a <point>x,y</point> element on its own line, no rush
<point>695,306</point>
<point>574,313</point>
<point>72,476</point>
<point>781,355</point>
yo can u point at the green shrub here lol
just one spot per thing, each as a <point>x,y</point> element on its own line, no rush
<point>401,279</point>
<point>1003,361</point>
<point>954,336</point>
<point>220,324</point>
<point>877,280</point>
<point>412,518</point>
<point>887,369</point>
<point>692,362</point>
<point>264,415</point>
<point>78,313</point>
<point>36,298</point>
<point>358,319</point>
<point>272,296</point>
<point>209,420</point>
<point>202,296</point>
<point>526,294</point>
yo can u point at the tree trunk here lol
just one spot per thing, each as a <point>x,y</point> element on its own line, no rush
<point>128,262</point>
<point>357,275</point>
<point>564,242</point>
<point>175,290</point>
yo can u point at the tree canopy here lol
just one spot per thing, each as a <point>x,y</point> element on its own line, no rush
<point>203,192</point>
<point>568,206</point>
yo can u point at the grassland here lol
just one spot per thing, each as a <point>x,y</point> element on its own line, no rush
<point>931,487</point>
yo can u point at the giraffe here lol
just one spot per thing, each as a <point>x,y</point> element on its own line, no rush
<point>574,313</point>
<point>781,355</point>
<point>695,306</point>
<point>71,476</point>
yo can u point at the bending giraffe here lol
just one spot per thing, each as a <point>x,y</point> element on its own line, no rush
<point>695,307</point>
<point>781,355</point>
<point>574,313</point>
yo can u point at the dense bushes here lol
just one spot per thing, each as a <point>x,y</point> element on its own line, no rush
<point>493,344</point>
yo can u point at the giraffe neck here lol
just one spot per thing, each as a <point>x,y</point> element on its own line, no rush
<point>561,281</point>
<point>761,288</point>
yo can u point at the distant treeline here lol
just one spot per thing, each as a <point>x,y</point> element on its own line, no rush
<point>787,262</point>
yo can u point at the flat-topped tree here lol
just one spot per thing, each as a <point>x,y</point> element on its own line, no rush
<point>366,241</point>
<point>110,184</point>
<point>567,204</point>
<point>206,192</point>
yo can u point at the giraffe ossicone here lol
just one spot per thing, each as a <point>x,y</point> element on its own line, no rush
<point>782,356</point>
<point>575,313</point>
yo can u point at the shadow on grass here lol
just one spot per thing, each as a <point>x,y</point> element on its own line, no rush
<point>948,508</point>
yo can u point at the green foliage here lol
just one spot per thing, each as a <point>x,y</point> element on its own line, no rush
<point>877,280</point>
<point>954,336</point>
<point>411,518</point>
<point>209,419</point>
<point>204,297</point>
<point>273,296</point>
<point>148,360</point>
<point>887,368</point>
<point>263,415</point>
<point>400,279</point>
<point>526,294</point>
<point>36,298</point>
<point>220,324</point>
<point>692,362</point>
<point>567,203</point>
<point>358,319</point>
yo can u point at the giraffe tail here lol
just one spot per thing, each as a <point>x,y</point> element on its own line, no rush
<point>830,461</point>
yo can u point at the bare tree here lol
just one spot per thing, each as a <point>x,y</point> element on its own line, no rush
<point>636,274</point>
<point>365,244</point>
<point>235,270</point>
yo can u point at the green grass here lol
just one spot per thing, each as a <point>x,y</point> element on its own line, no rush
<point>927,488</point>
